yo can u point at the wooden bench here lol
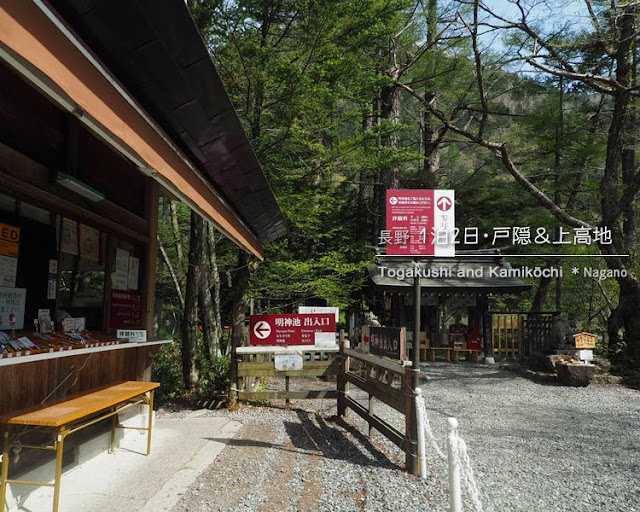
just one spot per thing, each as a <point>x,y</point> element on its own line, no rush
<point>453,354</point>
<point>69,416</point>
<point>474,353</point>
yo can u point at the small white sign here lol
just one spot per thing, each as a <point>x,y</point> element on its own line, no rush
<point>586,355</point>
<point>305,310</point>
<point>291,361</point>
<point>133,335</point>
<point>73,324</point>
<point>325,339</point>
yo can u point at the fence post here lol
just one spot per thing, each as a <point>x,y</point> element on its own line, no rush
<point>343,385</point>
<point>455,492</point>
<point>411,418</point>
<point>422,451</point>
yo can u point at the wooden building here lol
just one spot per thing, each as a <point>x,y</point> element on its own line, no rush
<point>454,297</point>
<point>104,106</point>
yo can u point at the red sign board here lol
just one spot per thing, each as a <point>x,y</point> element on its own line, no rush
<point>125,310</point>
<point>306,329</point>
<point>420,223</point>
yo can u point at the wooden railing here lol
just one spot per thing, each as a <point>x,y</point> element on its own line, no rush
<point>255,362</point>
<point>389,382</point>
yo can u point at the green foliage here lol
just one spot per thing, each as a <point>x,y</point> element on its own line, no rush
<point>167,371</point>
<point>214,377</point>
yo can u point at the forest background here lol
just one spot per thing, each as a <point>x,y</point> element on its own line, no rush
<point>527,109</point>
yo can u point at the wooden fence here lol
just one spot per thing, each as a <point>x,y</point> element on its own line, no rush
<point>521,334</point>
<point>387,381</point>
<point>255,362</point>
<point>506,334</point>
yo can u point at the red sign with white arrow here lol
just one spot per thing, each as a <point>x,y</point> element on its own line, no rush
<point>420,222</point>
<point>303,329</point>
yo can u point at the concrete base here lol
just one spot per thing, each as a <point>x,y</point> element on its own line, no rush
<point>488,360</point>
<point>128,480</point>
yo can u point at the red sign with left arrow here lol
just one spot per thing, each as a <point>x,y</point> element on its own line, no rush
<point>303,329</point>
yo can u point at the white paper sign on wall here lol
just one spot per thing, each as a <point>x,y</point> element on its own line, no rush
<point>287,362</point>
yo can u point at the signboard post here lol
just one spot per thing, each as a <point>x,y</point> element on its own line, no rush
<point>387,342</point>
<point>420,223</point>
<point>290,329</point>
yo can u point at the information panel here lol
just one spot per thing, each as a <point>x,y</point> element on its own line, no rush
<point>420,222</point>
<point>125,311</point>
<point>291,329</point>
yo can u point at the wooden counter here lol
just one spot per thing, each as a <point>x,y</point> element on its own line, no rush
<point>26,381</point>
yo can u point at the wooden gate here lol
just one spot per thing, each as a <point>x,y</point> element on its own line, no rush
<point>261,362</point>
<point>507,334</point>
<point>387,381</point>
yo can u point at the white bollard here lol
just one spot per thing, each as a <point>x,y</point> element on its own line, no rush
<point>422,453</point>
<point>455,491</point>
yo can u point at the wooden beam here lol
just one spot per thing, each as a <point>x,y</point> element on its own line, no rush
<point>57,204</point>
<point>383,392</point>
<point>391,433</point>
<point>284,395</point>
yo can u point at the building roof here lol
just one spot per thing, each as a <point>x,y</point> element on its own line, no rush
<point>155,50</point>
<point>471,272</point>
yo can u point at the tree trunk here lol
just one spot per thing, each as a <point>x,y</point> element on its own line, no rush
<point>238,315</point>
<point>541,294</point>
<point>214,278</point>
<point>189,318</point>
<point>206,307</point>
<point>178,240</point>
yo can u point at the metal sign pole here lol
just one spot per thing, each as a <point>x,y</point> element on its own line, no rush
<point>416,328</point>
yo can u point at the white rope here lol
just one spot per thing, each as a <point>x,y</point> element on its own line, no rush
<point>466,472</point>
<point>460,452</point>
<point>424,417</point>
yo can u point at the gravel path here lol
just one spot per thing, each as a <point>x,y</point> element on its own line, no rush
<point>533,448</point>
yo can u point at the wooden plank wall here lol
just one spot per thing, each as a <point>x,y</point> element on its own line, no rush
<point>27,384</point>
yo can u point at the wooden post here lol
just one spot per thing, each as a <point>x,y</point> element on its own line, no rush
<point>371,412</point>
<point>343,385</point>
<point>149,276</point>
<point>287,382</point>
<point>411,420</point>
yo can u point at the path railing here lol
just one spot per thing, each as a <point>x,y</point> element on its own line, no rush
<point>380,377</point>
<point>285,362</point>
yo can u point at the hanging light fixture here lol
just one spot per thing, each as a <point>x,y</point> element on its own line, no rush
<point>80,188</point>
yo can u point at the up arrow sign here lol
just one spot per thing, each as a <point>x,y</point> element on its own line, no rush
<point>444,203</point>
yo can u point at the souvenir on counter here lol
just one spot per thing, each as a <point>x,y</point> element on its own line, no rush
<point>44,321</point>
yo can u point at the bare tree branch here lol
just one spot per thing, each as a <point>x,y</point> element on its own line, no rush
<point>501,152</point>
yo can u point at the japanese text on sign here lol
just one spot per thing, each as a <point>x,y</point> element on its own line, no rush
<point>290,329</point>
<point>412,216</point>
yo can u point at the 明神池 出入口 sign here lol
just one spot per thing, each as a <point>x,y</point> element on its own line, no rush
<point>290,329</point>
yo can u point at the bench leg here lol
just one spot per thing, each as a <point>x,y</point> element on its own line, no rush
<point>5,471</point>
<point>112,444</point>
<point>150,425</point>
<point>59,452</point>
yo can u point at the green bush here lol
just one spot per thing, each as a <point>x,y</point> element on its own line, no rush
<point>167,370</point>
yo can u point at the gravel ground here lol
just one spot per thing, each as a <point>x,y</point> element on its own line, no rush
<point>532,447</point>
